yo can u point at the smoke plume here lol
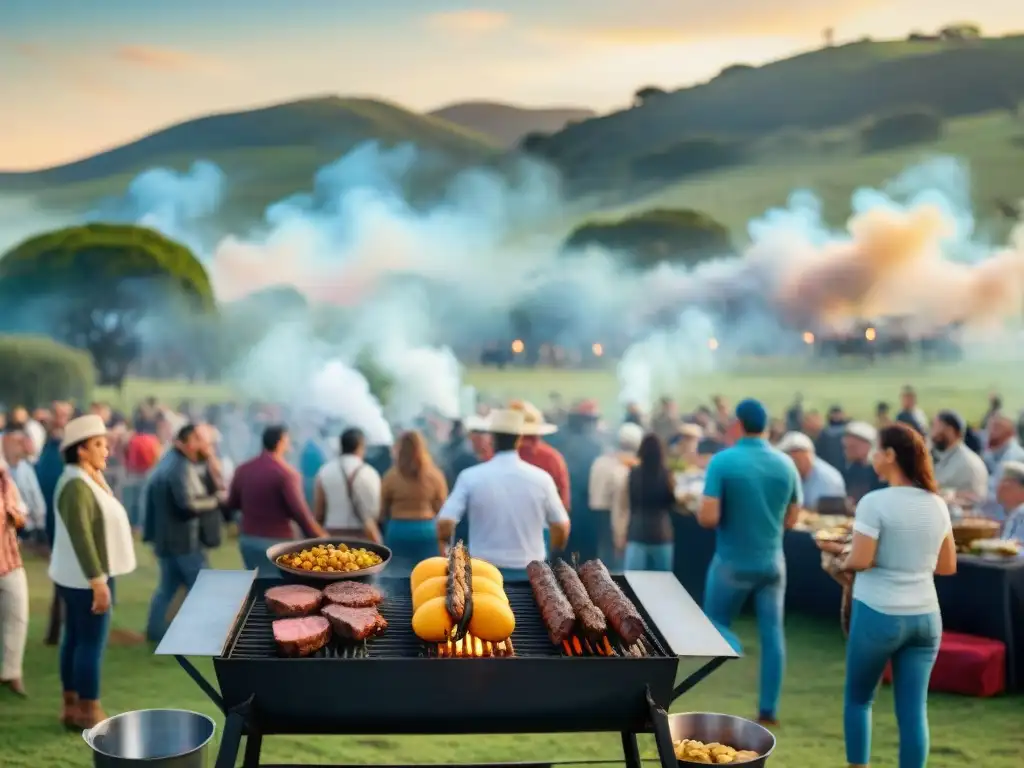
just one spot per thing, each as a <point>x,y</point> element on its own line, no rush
<point>419,282</point>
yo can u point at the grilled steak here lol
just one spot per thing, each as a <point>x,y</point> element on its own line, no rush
<point>290,600</point>
<point>617,608</point>
<point>555,609</point>
<point>590,618</point>
<point>354,623</point>
<point>354,594</point>
<point>302,636</point>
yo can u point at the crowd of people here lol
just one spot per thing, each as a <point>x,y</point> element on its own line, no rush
<point>517,483</point>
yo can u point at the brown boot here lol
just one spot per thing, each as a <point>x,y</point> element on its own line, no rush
<point>89,714</point>
<point>69,712</point>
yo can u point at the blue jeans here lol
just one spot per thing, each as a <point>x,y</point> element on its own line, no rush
<point>911,643</point>
<point>410,541</point>
<point>254,555</point>
<point>84,642</point>
<point>727,589</point>
<point>176,571</point>
<point>648,557</point>
<point>131,496</point>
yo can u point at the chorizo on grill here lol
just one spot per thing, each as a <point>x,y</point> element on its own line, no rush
<point>555,609</point>
<point>619,610</point>
<point>589,616</point>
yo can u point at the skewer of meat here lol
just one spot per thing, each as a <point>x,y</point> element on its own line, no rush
<point>555,609</point>
<point>620,611</point>
<point>590,618</point>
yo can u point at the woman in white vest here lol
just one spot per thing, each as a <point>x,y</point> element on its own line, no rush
<point>92,545</point>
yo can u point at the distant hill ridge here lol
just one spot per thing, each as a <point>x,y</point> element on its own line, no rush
<point>813,91</point>
<point>332,124</point>
<point>507,123</point>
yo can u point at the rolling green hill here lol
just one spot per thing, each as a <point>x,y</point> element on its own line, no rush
<point>506,123</point>
<point>816,91</point>
<point>271,152</point>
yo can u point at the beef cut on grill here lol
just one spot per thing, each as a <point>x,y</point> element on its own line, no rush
<point>354,623</point>
<point>303,636</point>
<point>555,609</point>
<point>354,594</point>
<point>589,616</point>
<point>291,600</point>
<point>619,610</point>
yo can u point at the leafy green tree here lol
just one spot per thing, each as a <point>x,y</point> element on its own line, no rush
<point>677,236</point>
<point>96,286</point>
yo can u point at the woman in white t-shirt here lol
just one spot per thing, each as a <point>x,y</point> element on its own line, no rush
<point>902,537</point>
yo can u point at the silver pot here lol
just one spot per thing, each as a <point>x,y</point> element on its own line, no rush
<point>730,730</point>
<point>157,738</point>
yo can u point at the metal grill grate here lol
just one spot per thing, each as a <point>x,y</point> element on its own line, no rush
<point>255,639</point>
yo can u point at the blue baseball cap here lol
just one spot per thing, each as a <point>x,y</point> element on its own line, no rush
<point>752,416</point>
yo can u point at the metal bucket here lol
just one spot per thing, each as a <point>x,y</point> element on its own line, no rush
<point>158,738</point>
<point>735,732</point>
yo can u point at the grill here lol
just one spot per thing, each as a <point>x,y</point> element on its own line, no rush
<point>396,684</point>
<point>254,638</point>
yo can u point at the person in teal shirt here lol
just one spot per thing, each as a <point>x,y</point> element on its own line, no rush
<point>752,494</point>
<point>310,461</point>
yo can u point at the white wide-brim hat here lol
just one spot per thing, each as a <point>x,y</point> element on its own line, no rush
<point>508,421</point>
<point>533,418</point>
<point>81,429</point>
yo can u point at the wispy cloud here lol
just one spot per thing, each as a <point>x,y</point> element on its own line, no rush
<point>675,22</point>
<point>79,71</point>
<point>471,20</point>
<point>165,59</point>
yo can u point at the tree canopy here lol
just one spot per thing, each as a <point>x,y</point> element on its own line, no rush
<point>678,236</point>
<point>93,286</point>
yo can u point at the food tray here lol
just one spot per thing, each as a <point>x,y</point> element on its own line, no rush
<point>299,575</point>
<point>970,529</point>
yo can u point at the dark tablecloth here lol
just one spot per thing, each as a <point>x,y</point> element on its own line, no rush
<point>984,598</point>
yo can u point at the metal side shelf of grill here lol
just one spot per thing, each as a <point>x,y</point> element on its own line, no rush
<point>404,688</point>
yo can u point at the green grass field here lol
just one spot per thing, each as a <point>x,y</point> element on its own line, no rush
<point>858,387</point>
<point>982,731</point>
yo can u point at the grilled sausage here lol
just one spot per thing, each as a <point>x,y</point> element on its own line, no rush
<point>555,609</point>
<point>620,612</point>
<point>457,563</point>
<point>589,616</point>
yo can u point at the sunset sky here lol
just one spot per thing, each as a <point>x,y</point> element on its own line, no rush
<point>79,76</point>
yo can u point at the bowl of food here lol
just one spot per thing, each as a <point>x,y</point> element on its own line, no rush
<point>708,738</point>
<point>329,559</point>
<point>969,529</point>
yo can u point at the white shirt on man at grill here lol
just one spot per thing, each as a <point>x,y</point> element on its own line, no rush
<point>508,503</point>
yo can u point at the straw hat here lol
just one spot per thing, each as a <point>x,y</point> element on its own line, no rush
<point>81,429</point>
<point>533,419</point>
<point>793,442</point>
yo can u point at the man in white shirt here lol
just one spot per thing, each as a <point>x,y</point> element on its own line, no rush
<point>508,503</point>
<point>957,467</point>
<point>820,479</point>
<point>346,492</point>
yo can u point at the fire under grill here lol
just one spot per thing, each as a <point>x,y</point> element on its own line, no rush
<point>254,638</point>
<point>396,684</point>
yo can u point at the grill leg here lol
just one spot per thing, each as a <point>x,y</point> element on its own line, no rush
<point>662,734</point>
<point>229,745</point>
<point>253,746</point>
<point>630,749</point>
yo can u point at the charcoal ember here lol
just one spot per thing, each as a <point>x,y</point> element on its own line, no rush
<point>354,623</point>
<point>555,609</point>
<point>354,594</point>
<point>292,600</point>
<point>303,636</point>
<point>617,608</point>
